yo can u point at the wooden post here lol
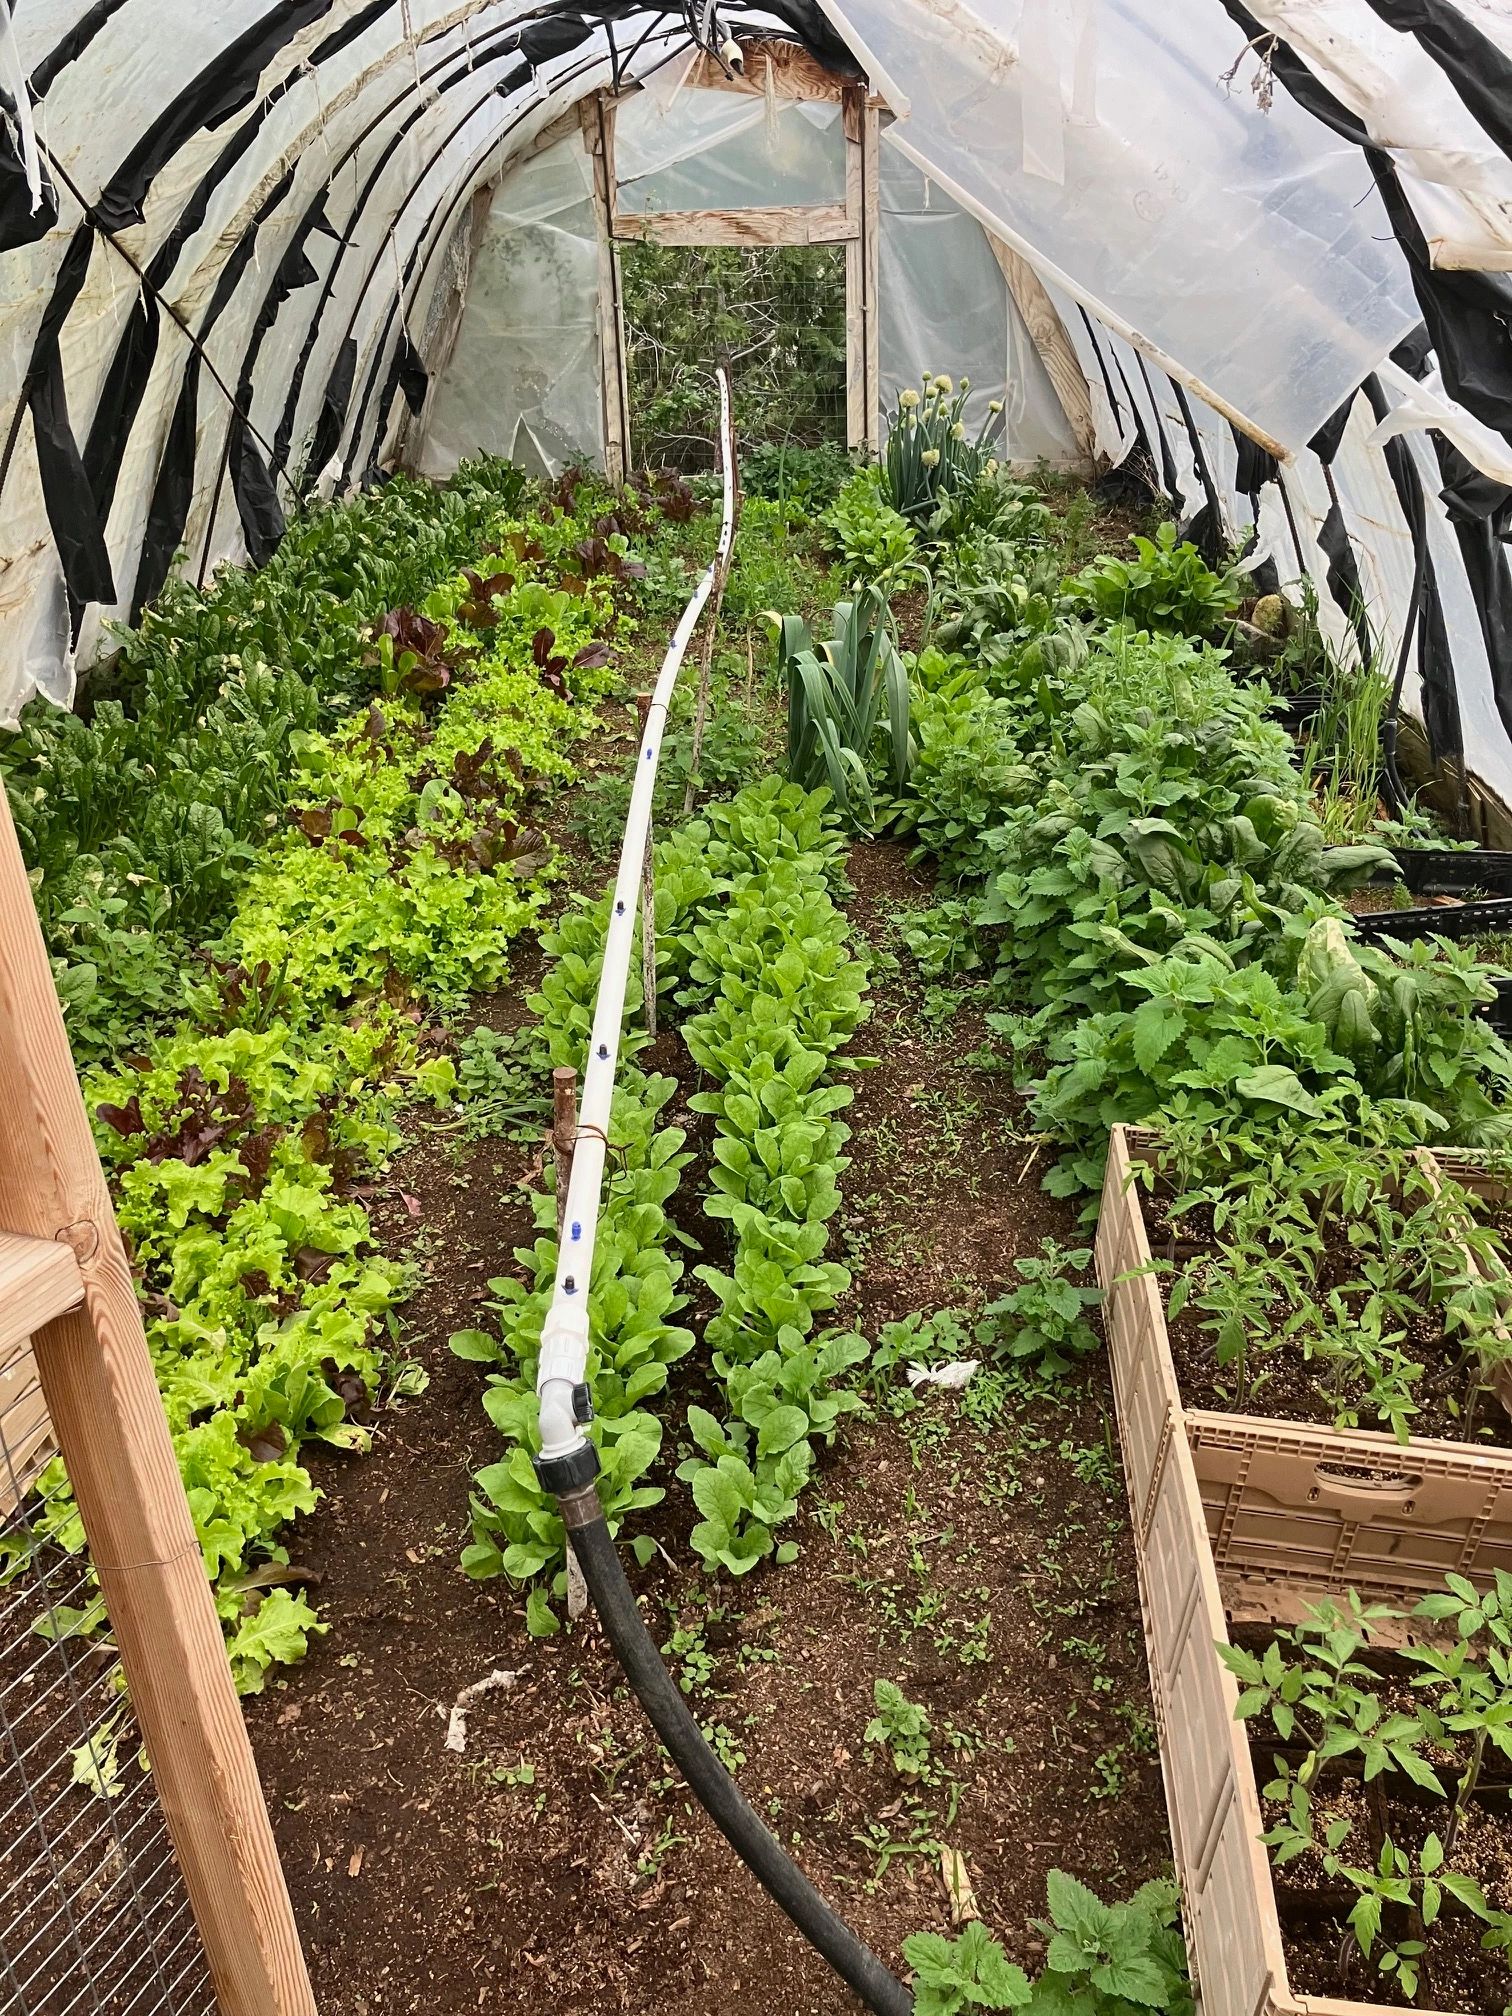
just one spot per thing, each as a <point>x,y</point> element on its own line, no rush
<point>648,899</point>
<point>597,114</point>
<point>1048,333</point>
<point>871,296</point>
<point>102,1397</point>
<point>853,120</point>
<point>563,1127</point>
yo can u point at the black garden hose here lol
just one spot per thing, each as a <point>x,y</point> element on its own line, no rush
<point>716,1791</point>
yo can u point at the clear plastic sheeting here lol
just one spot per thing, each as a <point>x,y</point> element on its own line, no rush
<point>683,147</point>
<point>1293,505</point>
<point>1247,246</point>
<point>944,307</point>
<point>1456,178</point>
<point>274,228</point>
<point>524,378</point>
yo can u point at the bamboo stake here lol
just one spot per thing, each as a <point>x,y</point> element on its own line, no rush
<point>98,1381</point>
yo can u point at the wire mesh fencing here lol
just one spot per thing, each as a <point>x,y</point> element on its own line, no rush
<point>774,313</point>
<point>94,1916</point>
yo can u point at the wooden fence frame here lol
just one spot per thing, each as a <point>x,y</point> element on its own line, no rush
<point>69,1289</point>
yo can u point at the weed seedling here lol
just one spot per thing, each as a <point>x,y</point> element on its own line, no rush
<point>902,1728</point>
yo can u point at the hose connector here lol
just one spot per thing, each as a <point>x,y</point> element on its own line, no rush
<point>571,1473</point>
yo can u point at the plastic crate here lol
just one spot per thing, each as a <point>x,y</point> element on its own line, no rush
<point>1233,1512</point>
<point>1452,871</point>
<point>1289,1501</point>
<point>1439,920</point>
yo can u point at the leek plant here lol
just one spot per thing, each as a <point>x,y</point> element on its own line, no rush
<point>841,697</point>
<point>1344,750</point>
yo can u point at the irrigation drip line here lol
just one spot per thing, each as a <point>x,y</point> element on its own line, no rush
<point>568,1463</point>
<point>564,1333</point>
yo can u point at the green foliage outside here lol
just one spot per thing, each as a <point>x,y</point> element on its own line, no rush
<point>775,312</point>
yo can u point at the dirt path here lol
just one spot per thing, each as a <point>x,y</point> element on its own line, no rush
<point>973,1550</point>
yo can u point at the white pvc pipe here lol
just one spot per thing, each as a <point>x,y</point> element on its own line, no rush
<point>564,1333</point>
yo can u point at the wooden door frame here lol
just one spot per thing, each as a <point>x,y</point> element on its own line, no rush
<point>793,75</point>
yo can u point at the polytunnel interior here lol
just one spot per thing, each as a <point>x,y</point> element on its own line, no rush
<point>1244,269</point>
<point>263,260</point>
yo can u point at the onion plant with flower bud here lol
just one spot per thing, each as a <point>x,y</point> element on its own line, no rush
<point>929,454</point>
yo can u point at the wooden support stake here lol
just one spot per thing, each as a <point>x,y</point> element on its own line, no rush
<point>101,1394</point>
<point>563,1127</point>
<point>871,293</point>
<point>853,116</point>
<point>648,900</point>
<point>597,115</point>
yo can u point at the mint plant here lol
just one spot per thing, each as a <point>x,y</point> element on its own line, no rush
<point>1043,1322</point>
<point>1100,1959</point>
<point>1109,1957</point>
<point>971,1972</point>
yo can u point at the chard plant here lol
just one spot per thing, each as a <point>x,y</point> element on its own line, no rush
<point>1166,586</point>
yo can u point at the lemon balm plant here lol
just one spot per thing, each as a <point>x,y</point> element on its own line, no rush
<point>929,454</point>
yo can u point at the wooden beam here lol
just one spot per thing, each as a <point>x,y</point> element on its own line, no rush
<point>787,66</point>
<point>26,1436</point>
<point>1048,332</point>
<point>39,1279</point>
<point>871,239</point>
<point>597,113</point>
<point>98,1382</point>
<point>792,224</point>
<point>853,120</point>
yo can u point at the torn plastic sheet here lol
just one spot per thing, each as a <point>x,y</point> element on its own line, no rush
<point>13,80</point>
<point>1456,177</point>
<point>523,379</point>
<point>1425,404</point>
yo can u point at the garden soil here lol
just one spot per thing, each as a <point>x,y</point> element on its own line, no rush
<point>558,1864</point>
